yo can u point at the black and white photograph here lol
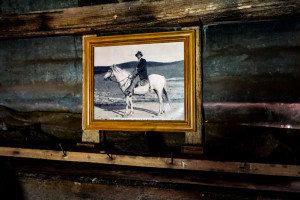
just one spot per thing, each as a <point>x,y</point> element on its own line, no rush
<point>139,82</point>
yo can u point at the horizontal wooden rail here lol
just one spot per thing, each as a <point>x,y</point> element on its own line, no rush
<point>156,162</point>
<point>140,14</point>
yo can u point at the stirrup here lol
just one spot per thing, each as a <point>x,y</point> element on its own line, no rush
<point>128,93</point>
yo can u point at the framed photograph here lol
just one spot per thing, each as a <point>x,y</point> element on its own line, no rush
<point>139,82</point>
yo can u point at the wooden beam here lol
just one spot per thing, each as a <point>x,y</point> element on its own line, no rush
<point>140,14</point>
<point>156,162</point>
<point>150,177</point>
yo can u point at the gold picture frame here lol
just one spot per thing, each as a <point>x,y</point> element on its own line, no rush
<point>171,55</point>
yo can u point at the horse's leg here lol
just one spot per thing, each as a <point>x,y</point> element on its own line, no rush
<point>127,106</point>
<point>131,106</point>
<point>160,100</point>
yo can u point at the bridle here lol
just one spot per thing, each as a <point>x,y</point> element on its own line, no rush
<point>121,85</point>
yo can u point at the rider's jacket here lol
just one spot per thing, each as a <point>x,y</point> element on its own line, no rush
<point>142,69</point>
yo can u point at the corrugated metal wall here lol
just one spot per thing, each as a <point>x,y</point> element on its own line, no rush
<point>251,87</point>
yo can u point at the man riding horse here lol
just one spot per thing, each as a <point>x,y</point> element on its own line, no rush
<point>153,82</point>
<point>139,74</point>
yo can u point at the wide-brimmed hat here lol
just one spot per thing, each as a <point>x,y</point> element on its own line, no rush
<point>138,53</point>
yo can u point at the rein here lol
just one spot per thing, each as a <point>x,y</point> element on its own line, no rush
<point>120,81</point>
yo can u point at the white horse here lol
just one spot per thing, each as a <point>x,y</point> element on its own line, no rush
<point>123,77</point>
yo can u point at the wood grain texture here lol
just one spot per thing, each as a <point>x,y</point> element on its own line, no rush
<point>192,149</point>
<point>147,177</point>
<point>195,138</point>
<point>156,162</point>
<point>140,14</point>
<point>276,115</point>
<point>38,127</point>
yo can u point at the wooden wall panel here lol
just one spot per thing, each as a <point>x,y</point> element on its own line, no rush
<point>250,93</point>
<point>140,14</point>
<point>250,72</point>
<point>41,74</point>
<point>20,178</point>
<point>23,6</point>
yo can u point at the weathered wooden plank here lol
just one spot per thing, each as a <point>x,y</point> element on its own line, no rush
<point>195,138</point>
<point>66,189</point>
<point>23,6</point>
<point>41,74</point>
<point>276,115</point>
<point>26,127</point>
<point>150,177</point>
<point>192,149</point>
<point>156,162</point>
<point>250,143</point>
<point>140,14</point>
<point>265,38</point>
<point>252,88</point>
<point>251,62</point>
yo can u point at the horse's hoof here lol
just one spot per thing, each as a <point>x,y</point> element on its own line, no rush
<point>160,112</point>
<point>126,115</point>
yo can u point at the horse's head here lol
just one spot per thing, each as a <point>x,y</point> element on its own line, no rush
<point>110,73</point>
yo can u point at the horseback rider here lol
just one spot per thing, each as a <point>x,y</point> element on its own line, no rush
<point>140,73</point>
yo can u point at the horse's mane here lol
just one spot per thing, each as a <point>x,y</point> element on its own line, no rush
<point>117,69</point>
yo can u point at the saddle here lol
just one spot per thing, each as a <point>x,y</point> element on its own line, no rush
<point>142,87</point>
<point>143,82</point>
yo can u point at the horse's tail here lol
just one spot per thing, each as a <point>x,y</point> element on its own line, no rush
<point>166,94</point>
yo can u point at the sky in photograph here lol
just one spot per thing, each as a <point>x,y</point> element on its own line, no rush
<point>159,52</point>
